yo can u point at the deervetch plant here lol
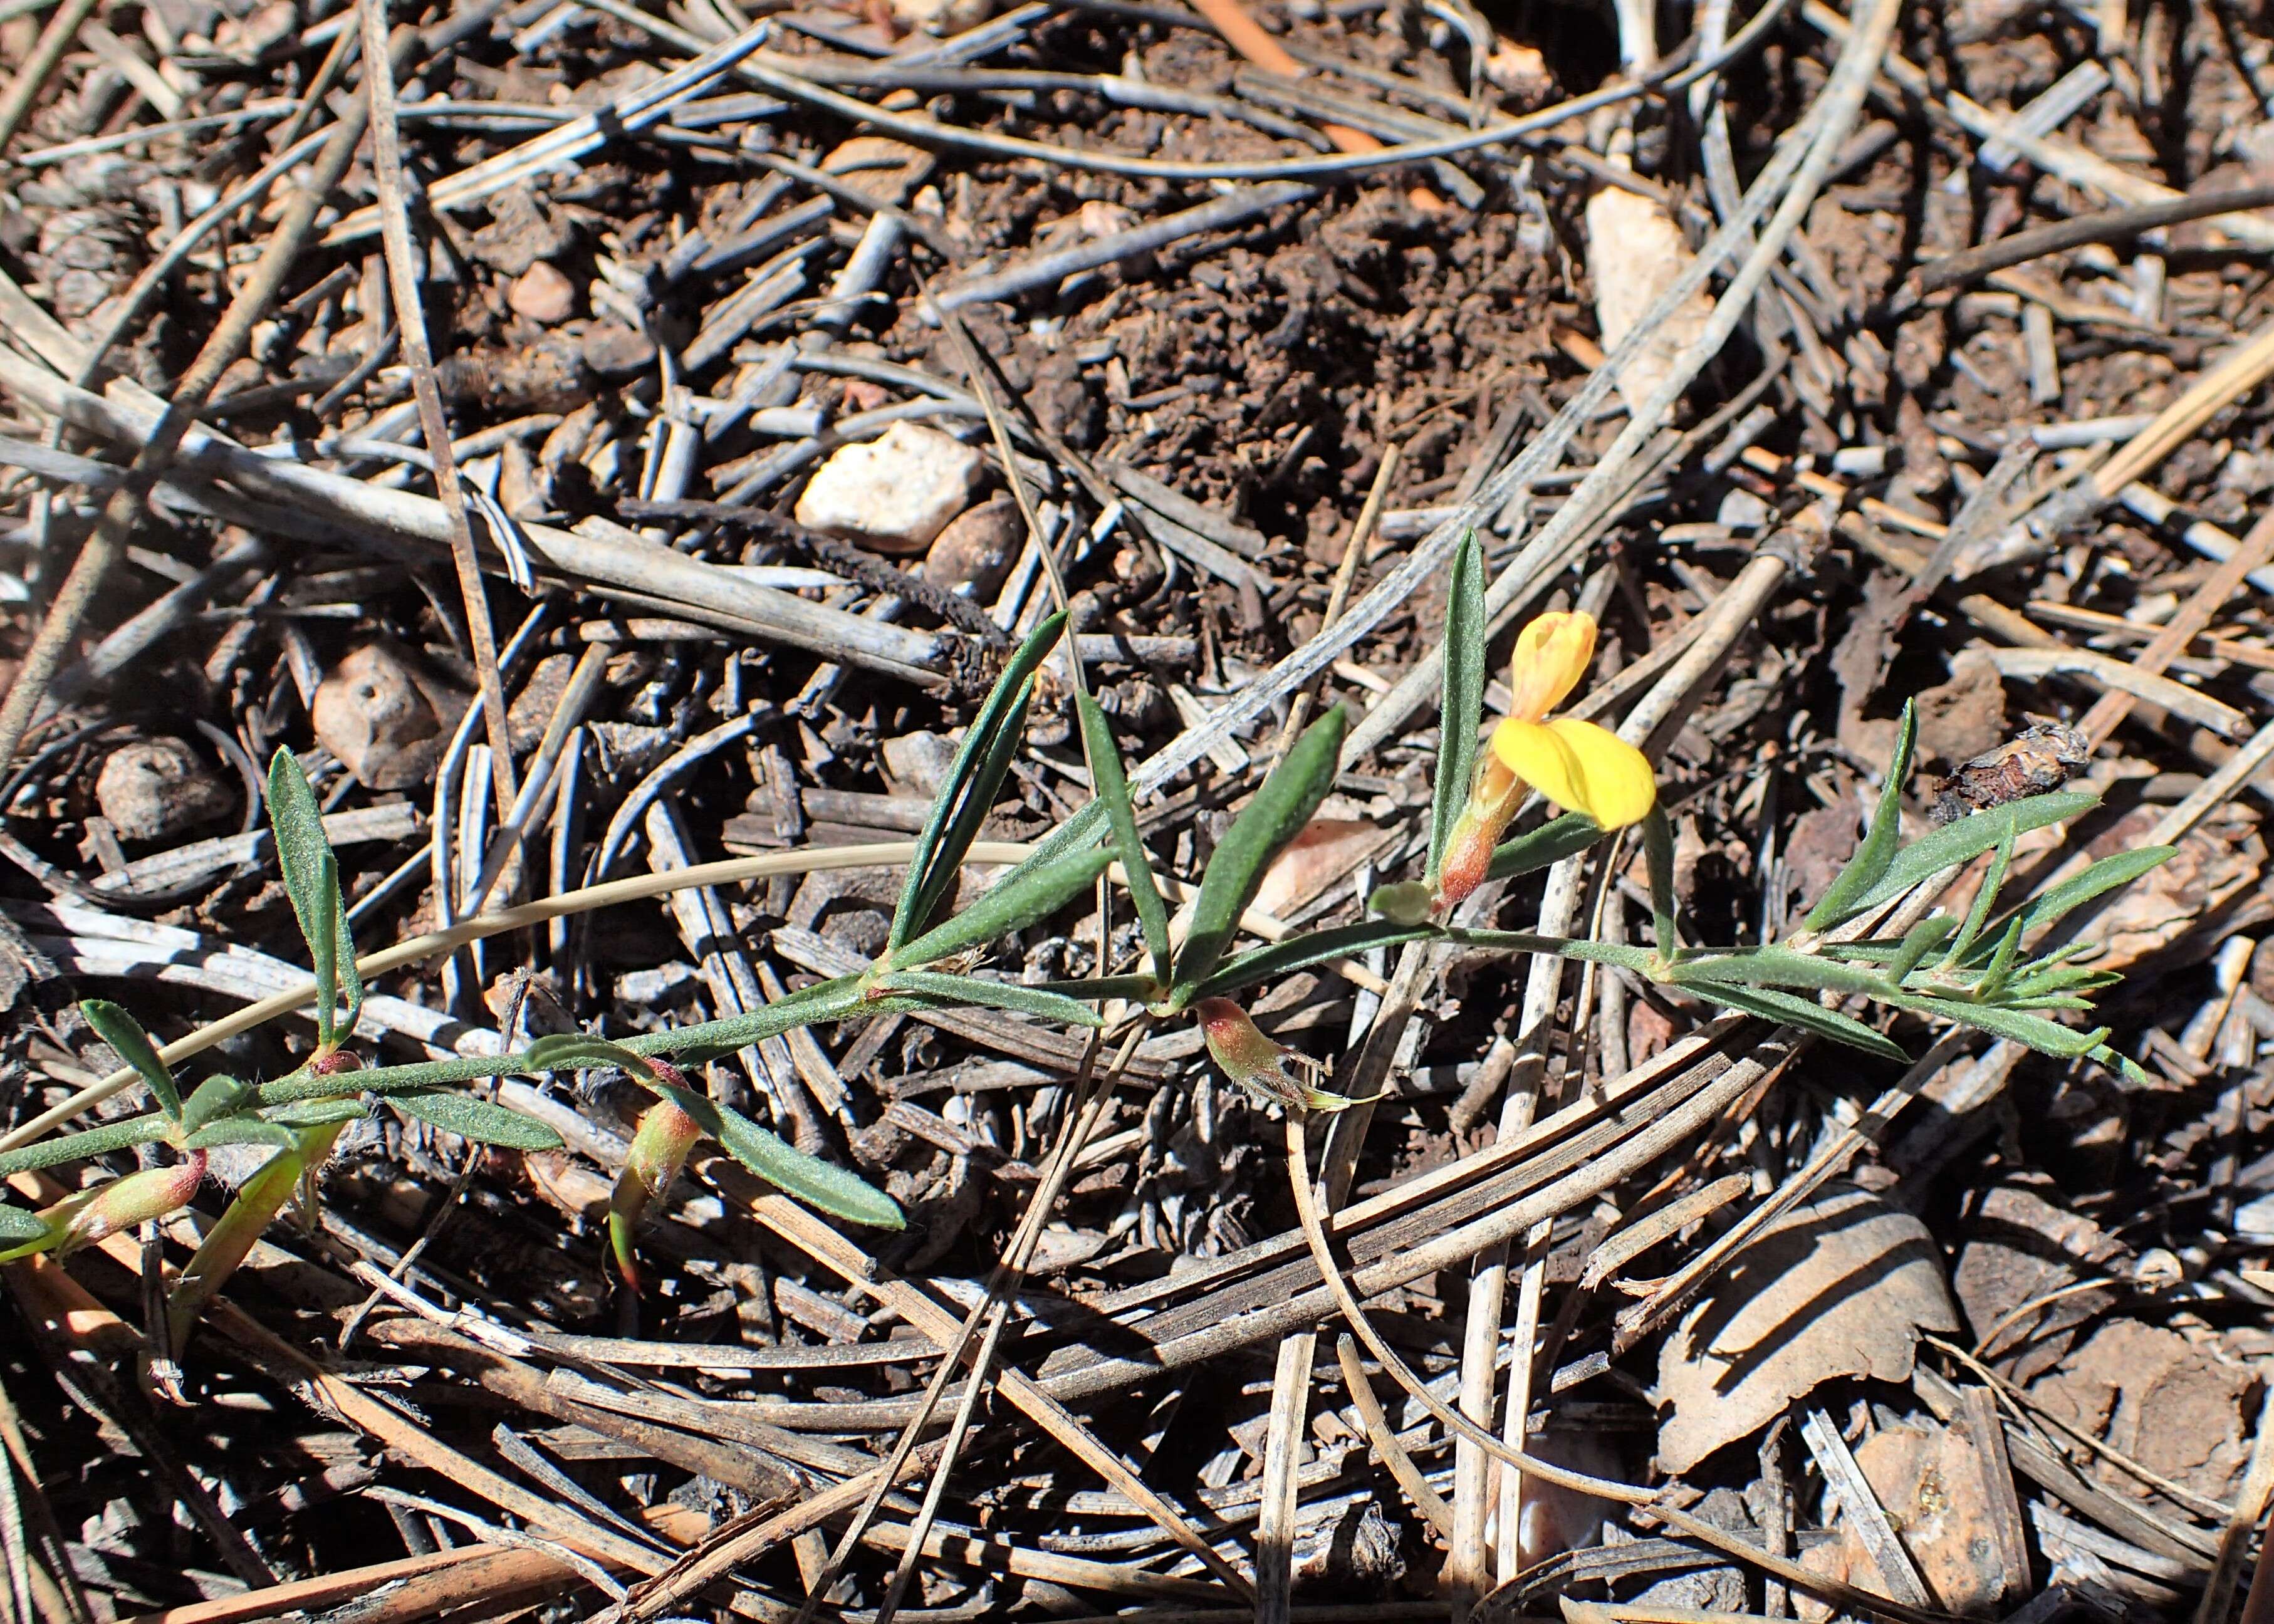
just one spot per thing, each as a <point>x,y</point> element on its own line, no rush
<point>1977,971</point>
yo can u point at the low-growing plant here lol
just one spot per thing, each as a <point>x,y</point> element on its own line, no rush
<point>1977,971</point>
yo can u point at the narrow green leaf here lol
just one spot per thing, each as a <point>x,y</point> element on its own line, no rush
<point>1018,900</point>
<point>1259,833</point>
<point>317,1113</point>
<point>127,1040</point>
<point>90,1142</point>
<point>1113,788</point>
<point>214,1099</point>
<point>323,949</point>
<point>1845,897</point>
<point>241,1130</point>
<point>1276,960</point>
<point>1658,853</point>
<point>1922,939</point>
<point>477,1120</point>
<point>2047,1037</point>
<point>808,1179</point>
<point>2044,979</point>
<point>1106,989</point>
<point>2000,969</point>
<point>971,989</point>
<point>18,1226</point>
<point>1460,710</point>
<point>2123,1065</point>
<point>579,1051</point>
<point>950,829</point>
<point>1551,843</point>
<point>1777,966</point>
<point>971,811</point>
<point>2105,875</point>
<point>1791,1010</point>
<point>1984,900</point>
<point>302,848</point>
<point>1967,838</point>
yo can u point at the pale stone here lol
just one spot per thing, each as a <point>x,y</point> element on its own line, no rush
<point>893,494</point>
<point>542,293</point>
<point>940,16</point>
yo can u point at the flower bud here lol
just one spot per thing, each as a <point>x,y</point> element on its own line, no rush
<point>1493,798</point>
<point>660,1146</point>
<point>1270,1071</point>
<point>81,1220</point>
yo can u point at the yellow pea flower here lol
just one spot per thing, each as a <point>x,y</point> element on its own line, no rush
<point>1576,765</point>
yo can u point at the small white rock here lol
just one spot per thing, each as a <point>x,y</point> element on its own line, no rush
<point>1635,250</point>
<point>894,494</point>
<point>940,16</point>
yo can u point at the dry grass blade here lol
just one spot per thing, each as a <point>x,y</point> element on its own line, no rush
<point>404,284</point>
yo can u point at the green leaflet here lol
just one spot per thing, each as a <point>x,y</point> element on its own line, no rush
<point>214,1099</point>
<point>1791,1010</point>
<point>1845,897</point>
<point>1112,789</point>
<point>1922,939</point>
<point>2105,875</point>
<point>1777,966</point>
<point>303,852</point>
<point>131,1044</point>
<point>90,1142</point>
<point>2047,1037</point>
<point>1984,900</point>
<point>808,1179</point>
<point>1462,704</point>
<point>241,1130</point>
<point>969,793</point>
<point>1658,855</point>
<point>1259,833</point>
<point>317,1113</point>
<point>971,989</point>
<point>1967,839</point>
<point>1030,891</point>
<point>18,1226</point>
<point>477,1120</point>
<point>579,1051</point>
<point>1551,843</point>
<point>226,1245</point>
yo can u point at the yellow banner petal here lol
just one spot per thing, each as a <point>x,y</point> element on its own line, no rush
<point>1552,652</point>
<point>1580,767</point>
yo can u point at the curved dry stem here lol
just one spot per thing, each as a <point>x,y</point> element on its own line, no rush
<point>1387,1449</point>
<point>1307,1213</point>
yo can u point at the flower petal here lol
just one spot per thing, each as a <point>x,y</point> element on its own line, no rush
<point>1552,652</point>
<point>1580,766</point>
